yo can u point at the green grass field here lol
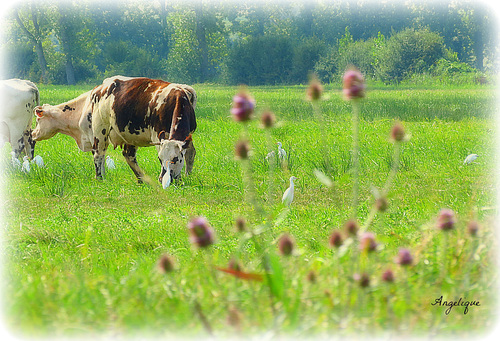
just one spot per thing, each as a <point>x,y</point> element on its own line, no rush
<point>81,255</point>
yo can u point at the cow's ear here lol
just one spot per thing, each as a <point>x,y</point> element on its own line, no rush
<point>38,111</point>
<point>162,135</point>
<point>187,142</point>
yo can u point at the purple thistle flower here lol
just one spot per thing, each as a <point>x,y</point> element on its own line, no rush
<point>354,84</point>
<point>367,242</point>
<point>388,276</point>
<point>446,220</point>
<point>243,106</point>
<point>201,233</point>
<point>363,279</point>
<point>404,257</point>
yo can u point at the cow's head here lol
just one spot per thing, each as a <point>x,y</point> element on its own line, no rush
<point>171,152</point>
<point>46,122</point>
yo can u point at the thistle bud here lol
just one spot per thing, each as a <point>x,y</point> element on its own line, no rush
<point>398,132</point>
<point>315,89</point>
<point>473,227</point>
<point>335,239</point>
<point>354,84</point>
<point>285,245</point>
<point>351,227</point>
<point>367,242</point>
<point>311,276</point>
<point>240,224</point>
<point>243,106</point>
<point>241,150</point>
<point>363,279</point>
<point>267,119</point>
<point>446,220</point>
<point>201,233</point>
<point>381,204</point>
<point>388,276</point>
<point>166,264</point>
<point>404,257</point>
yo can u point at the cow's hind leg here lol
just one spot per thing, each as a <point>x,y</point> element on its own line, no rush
<point>129,152</point>
<point>99,150</point>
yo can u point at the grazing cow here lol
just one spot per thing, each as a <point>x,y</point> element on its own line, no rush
<point>140,112</point>
<point>95,111</point>
<point>19,99</point>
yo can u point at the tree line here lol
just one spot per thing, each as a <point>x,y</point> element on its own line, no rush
<point>251,42</point>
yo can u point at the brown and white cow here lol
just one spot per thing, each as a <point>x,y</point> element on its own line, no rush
<point>19,97</point>
<point>140,112</point>
<point>127,112</point>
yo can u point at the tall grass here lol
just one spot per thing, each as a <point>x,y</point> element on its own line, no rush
<point>82,254</point>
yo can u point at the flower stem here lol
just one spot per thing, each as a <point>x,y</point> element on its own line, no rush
<point>355,158</point>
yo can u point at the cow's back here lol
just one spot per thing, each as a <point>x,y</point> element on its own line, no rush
<point>137,109</point>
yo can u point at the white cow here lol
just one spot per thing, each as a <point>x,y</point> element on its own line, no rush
<point>19,98</point>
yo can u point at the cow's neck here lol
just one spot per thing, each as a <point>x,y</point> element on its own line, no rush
<point>69,120</point>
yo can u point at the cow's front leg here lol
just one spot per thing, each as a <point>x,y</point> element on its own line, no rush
<point>99,150</point>
<point>129,152</point>
<point>190,154</point>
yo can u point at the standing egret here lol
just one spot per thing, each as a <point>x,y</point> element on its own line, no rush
<point>288,195</point>
<point>109,162</point>
<point>470,158</point>
<point>270,155</point>
<point>165,182</point>
<point>26,164</point>
<point>281,152</point>
<point>37,160</point>
<point>15,161</point>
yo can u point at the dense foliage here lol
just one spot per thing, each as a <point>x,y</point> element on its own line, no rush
<point>252,42</point>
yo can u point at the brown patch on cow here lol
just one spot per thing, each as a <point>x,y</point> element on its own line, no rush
<point>96,143</point>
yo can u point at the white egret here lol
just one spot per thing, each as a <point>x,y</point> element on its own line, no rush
<point>270,155</point>
<point>26,164</point>
<point>15,161</point>
<point>281,152</point>
<point>470,158</point>
<point>37,160</point>
<point>288,195</point>
<point>109,162</point>
<point>165,182</point>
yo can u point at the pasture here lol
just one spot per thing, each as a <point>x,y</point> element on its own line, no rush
<point>80,255</point>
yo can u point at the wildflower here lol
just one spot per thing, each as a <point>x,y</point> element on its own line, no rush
<point>243,106</point>
<point>363,279</point>
<point>311,276</point>
<point>166,264</point>
<point>285,245</point>
<point>201,233</point>
<point>240,224</point>
<point>388,276</point>
<point>404,257</point>
<point>234,265</point>
<point>367,242</point>
<point>335,239</point>
<point>351,227</point>
<point>473,227</point>
<point>446,220</point>
<point>234,317</point>
<point>267,119</point>
<point>241,150</point>
<point>381,204</point>
<point>315,89</point>
<point>354,84</point>
<point>398,132</point>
